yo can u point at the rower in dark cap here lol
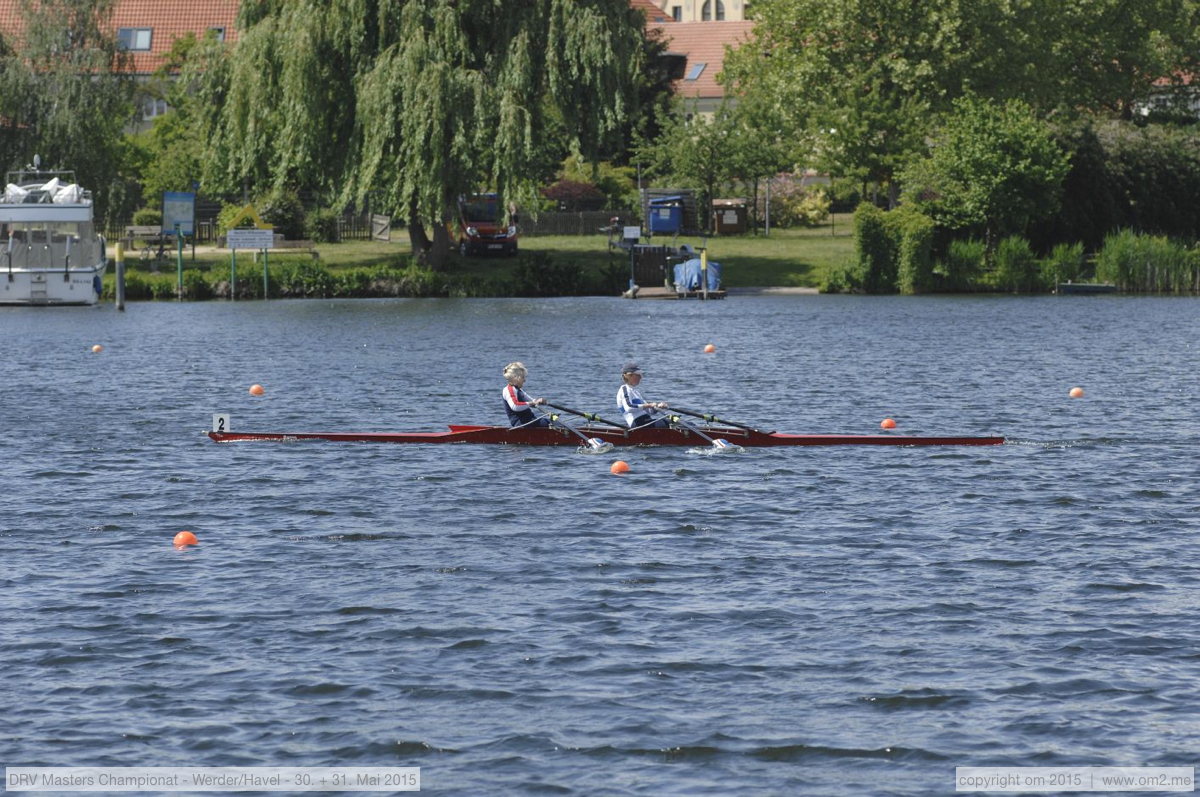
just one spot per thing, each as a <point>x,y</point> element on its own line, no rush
<point>639,413</point>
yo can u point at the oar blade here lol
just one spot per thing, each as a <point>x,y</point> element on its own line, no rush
<point>719,446</point>
<point>595,445</point>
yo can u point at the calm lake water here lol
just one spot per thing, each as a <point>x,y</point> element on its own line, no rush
<point>519,621</point>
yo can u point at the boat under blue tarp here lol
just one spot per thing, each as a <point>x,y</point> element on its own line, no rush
<point>688,275</point>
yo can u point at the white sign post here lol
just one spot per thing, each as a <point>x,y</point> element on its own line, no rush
<point>236,239</point>
<point>250,239</point>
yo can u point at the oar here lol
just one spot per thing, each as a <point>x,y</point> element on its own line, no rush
<point>718,443</point>
<point>714,419</point>
<point>590,416</point>
<point>597,445</point>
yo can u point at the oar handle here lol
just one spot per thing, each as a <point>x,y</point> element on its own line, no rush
<point>705,416</point>
<point>592,442</point>
<point>590,416</point>
<point>675,419</point>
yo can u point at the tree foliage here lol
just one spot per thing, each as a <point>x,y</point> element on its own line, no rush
<point>859,81</point>
<point>64,92</point>
<point>991,167</point>
<point>415,103</point>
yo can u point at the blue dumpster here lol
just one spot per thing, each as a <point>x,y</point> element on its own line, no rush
<point>666,214</point>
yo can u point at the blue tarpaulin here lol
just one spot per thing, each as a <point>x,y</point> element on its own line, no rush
<point>687,275</point>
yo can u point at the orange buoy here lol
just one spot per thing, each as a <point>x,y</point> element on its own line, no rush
<point>620,466</point>
<point>1076,392</point>
<point>709,349</point>
<point>185,538</point>
<point>887,423</point>
<point>97,349</point>
<point>256,390</point>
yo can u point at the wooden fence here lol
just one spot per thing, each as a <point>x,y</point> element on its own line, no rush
<point>586,222</point>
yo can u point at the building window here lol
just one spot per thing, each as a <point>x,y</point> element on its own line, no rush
<point>695,71</point>
<point>218,33</point>
<point>134,38</point>
<point>153,107</point>
<point>706,10</point>
<point>677,13</point>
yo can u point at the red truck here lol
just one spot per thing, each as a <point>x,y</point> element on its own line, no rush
<point>484,227</point>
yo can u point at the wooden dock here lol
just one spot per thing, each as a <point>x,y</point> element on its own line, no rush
<point>670,293</point>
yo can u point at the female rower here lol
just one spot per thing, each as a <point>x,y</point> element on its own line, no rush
<point>517,403</point>
<point>639,413</point>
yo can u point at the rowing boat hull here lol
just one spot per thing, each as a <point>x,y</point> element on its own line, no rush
<point>543,436</point>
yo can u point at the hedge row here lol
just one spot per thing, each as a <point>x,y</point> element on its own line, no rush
<point>895,254</point>
<point>535,274</point>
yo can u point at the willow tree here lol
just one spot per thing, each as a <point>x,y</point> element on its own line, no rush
<point>66,90</point>
<point>415,102</point>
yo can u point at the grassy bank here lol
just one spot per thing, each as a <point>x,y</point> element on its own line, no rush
<point>788,258</point>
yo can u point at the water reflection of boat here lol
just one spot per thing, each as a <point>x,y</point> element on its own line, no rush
<point>50,252</point>
<point>1085,287</point>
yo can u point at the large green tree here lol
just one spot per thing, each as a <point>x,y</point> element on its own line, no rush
<point>992,167</point>
<point>414,102</point>
<point>65,92</point>
<point>862,80</point>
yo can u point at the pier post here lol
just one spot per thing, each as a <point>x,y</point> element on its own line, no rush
<point>178,264</point>
<point>120,278</point>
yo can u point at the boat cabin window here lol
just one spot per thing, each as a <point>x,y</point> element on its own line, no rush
<point>44,232</point>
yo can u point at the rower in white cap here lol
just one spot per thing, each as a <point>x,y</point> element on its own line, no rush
<point>639,413</point>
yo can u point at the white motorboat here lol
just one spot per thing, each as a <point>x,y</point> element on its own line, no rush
<point>50,252</point>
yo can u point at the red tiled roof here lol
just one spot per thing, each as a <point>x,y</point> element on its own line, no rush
<point>654,14</point>
<point>167,19</point>
<point>704,43</point>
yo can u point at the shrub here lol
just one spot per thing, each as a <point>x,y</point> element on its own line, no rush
<point>538,275</point>
<point>912,233</point>
<point>225,218</point>
<point>875,269</point>
<point>574,195</point>
<point>281,208</point>
<point>1065,264</point>
<point>1150,263</point>
<point>963,264</point>
<point>321,226</point>
<point>302,278</point>
<point>196,286</point>
<point>794,205</point>
<point>147,217</point>
<point>1016,266</point>
<point>840,280</point>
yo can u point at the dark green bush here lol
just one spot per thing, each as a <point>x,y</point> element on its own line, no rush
<point>537,274</point>
<point>963,264</point>
<point>282,209</point>
<point>1065,264</point>
<point>1148,263</point>
<point>912,233</point>
<point>321,226</point>
<point>875,268</point>
<point>1016,266</point>
<point>196,285</point>
<point>146,217</point>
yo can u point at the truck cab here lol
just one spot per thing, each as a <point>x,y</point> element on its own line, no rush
<point>484,227</point>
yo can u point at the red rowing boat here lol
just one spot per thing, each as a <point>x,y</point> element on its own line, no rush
<point>555,436</point>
